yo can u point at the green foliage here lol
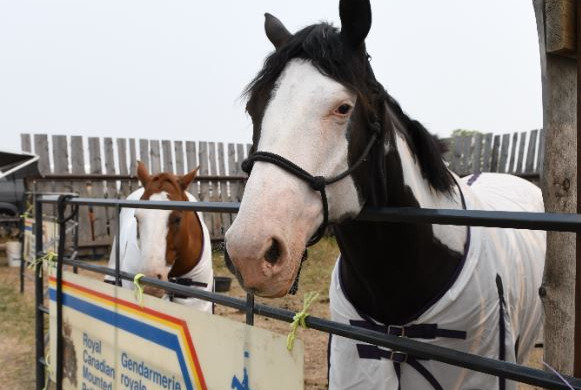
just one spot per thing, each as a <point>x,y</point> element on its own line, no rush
<point>461,132</point>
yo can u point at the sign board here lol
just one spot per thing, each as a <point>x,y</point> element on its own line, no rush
<point>112,342</point>
<point>50,233</point>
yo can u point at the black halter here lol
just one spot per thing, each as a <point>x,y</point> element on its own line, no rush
<point>317,183</point>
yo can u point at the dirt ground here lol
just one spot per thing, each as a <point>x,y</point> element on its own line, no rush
<point>17,321</point>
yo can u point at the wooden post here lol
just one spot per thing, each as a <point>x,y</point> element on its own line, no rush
<point>577,348</point>
<point>559,185</point>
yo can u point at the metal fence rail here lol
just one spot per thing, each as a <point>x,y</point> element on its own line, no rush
<point>540,221</point>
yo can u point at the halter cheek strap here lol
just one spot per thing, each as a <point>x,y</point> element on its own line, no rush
<point>317,183</point>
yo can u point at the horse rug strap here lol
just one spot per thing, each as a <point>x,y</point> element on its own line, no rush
<point>421,331</point>
<point>184,282</point>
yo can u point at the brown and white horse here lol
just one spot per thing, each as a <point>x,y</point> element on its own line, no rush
<point>166,244</point>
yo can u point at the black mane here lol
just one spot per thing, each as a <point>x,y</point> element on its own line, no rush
<point>321,44</point>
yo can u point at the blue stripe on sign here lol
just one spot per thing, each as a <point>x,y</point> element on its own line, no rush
<point>130,325</point>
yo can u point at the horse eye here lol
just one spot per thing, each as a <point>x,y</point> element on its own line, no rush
<point>177,219</point>
<point>343,109</point>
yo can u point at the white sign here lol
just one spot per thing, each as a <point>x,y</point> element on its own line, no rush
<point>111,342</point>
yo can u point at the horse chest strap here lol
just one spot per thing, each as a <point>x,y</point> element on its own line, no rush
<point>185,282</point>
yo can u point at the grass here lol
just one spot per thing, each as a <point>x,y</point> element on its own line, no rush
<point>16,333</point>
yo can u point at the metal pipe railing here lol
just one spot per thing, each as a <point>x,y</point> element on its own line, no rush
<point>540,221</point>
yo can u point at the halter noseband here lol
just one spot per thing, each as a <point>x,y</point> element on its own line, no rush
<point>317,183</point>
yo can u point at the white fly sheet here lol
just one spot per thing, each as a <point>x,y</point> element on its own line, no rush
<point>471,305</point>
<point>131,260</point>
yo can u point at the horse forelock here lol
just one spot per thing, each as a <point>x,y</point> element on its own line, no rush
<point>165,182</point>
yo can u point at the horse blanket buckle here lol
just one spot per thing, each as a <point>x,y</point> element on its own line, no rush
<point>396,330</point>
<point>398,357</point>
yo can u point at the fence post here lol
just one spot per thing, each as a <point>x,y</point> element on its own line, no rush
<point>39,296</point>
<point>250,309</point>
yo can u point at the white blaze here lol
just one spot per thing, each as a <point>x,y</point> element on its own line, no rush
<point>153,229</point>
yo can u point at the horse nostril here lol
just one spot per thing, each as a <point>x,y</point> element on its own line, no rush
<point>159,276</point>
<point>273,253</point>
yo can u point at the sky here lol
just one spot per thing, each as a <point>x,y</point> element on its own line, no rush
<point>176,69</point>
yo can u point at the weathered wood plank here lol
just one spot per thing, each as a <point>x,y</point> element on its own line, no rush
<point>167,156</point>
<point>513,153</point>
<point>494,154</point>
<point>541,159</point>
<point>521,152</point>
<point>125,186</point>
<point>466,141</point>
<point>111,185</point>
<point>41,150</point>
<point>60,157</point>
<point>97,190</point>
<point>232,171</point>
<point>192,163</point>
<point>487,153</point>
<point>144,153</point>
<point>204,185</point>
<point>215,191</point>
<point>226,222</point>
<point>25,144</point>
<point>80,187</point>
<point>134,184</point>
<point>456,162</point>
<point>179,154</point>
<point>240,157</point>
<point>155,156</point>
<point>560,26</point>
<point>477,155</point>
<point>531,151</point>
<point>503,153</point>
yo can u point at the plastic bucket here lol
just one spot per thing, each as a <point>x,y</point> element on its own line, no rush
<point>13,252</point>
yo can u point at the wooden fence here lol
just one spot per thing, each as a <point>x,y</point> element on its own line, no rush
<point>519,153</point>
<point>106,167</point>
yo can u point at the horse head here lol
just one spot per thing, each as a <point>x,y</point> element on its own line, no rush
<point>315,108</point>
<point>170,242</point>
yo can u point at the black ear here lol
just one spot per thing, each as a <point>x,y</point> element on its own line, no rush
<point>275,30</point>
<point>355,21</point>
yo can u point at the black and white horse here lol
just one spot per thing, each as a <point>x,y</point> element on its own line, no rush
<point>328,140</point>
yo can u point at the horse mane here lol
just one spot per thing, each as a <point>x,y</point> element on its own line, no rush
<point>321,44</point>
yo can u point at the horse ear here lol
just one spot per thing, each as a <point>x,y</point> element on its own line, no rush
<point>142,174</point>
<point>275,30</point>
<point>355,21</point>
<point>187,179</point>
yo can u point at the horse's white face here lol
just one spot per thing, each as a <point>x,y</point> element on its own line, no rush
<point>306,121</point>
<point>152,231</point>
